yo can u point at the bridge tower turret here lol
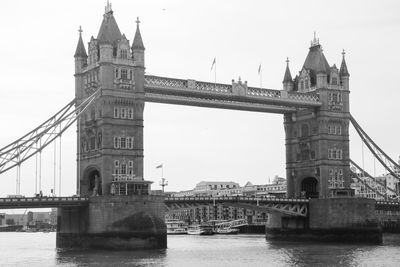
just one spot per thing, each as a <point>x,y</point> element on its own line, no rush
<point>80,54</point>
<point>317,140</point>
<point>287,78</point>
<point>344,73</point>
<point>110,133</point>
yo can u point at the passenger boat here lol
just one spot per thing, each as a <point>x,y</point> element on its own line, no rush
<point>227,231</point>
<point>200,230</point>
<point>176,227</point>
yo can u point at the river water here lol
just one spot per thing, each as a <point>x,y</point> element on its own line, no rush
<point>38,249</point>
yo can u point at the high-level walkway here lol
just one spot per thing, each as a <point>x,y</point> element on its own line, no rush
<point>237,96</point>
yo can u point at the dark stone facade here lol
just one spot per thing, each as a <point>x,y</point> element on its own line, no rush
<point>317,140</point>
<point>114,222</point>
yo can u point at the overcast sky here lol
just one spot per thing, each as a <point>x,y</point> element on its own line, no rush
<point>181,39</point>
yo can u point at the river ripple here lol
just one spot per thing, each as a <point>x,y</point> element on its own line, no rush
<point>38,249</point>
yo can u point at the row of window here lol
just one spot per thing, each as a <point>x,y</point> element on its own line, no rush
<point>335,129</point>
<point>123,142</point>
<point>122,168</point>
<point>334,153</point>
<point>336,178</point>
<point>335,98</point>
<point>304,84</point>
<point>123,113</point>
<point>123,74</point>
<point>124,53</point>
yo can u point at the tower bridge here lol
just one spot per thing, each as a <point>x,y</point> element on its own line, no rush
<point>118,209</point>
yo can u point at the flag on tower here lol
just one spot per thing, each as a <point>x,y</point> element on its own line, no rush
<point>214,62</point>
<point>259,69</point>
<point>159,166</point>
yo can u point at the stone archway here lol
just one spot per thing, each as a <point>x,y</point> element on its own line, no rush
<point>92,185</point>
<point>309,187</point>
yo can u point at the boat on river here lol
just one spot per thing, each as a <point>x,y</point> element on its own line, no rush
<point>176,227</point>
<point>200,230</point>
<point>227,231</point>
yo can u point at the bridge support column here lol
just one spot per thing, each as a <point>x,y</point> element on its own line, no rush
<point>114,222</point>
<point>331,219</point>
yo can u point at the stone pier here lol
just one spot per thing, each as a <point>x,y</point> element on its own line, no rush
<point>331,219</point>
<point>114,222</point>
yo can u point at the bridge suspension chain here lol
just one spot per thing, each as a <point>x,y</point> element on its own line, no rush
<point>358,173</point>
<point>36,140</point>
<point>390,165</point>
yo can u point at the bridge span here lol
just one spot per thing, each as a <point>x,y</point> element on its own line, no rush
<point>42,202</point>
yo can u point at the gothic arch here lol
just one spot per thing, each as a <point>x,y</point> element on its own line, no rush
<point>91,184</point>
<point>309,187</point>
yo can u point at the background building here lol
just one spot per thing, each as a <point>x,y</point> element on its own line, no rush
<point>227,189</point>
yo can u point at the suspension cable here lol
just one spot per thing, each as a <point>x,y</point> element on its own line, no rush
<point>389,164</point>
<point>36,173</point>
<point>59,166</point>
<point>55,167</point>
<point>40,166</point>
<point>44,133</point>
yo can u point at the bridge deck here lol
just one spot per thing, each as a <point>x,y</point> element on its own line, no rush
<point>226,96</point>
<point>260,200</point>
<point>43,202</point>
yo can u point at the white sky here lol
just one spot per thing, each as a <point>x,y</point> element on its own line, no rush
<point>181,39</point>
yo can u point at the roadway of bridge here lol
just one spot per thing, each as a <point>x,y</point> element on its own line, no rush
<point>55,202</point>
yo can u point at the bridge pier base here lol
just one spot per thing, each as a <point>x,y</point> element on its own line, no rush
<point>114,222</point>
<point>331,219</point>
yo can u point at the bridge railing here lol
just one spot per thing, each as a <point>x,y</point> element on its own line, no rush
<point>42,199</point>
<point>181,84</point>
<point>239,198</point>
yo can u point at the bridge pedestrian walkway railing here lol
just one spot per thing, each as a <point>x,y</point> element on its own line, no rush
<point>237,198</point>
<point>167,85</point>
<point>42,202</point>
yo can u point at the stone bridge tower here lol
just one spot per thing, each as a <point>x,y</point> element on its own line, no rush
<point>317,140</point>
<point>110,133</point>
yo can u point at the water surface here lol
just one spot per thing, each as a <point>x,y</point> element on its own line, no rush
<point>38,249</point>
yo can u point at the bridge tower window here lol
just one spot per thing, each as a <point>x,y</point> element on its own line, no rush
<point>130,142</point>
<point>123,142</point>
<point>130,113</point>
<point>334,153</point>
<point>124,53</point>
<point>116,112</point>
<point>117,142</point>
<point>124,74</point>
<point>123,113</point>
<point>123,169</point>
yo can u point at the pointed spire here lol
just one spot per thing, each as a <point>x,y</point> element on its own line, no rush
<point>288,76</point>
<point>109,31</point>
<point>80,48</point>
<point>107,8</point>
<point>315,41</point>
<point>137,41</point>
<point>343,67</point>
